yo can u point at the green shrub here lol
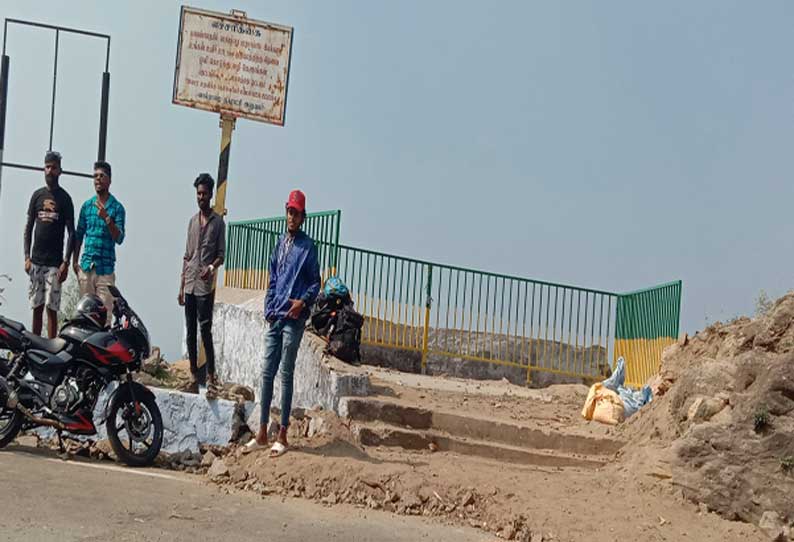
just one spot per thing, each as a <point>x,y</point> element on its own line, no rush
<point>761,419</point>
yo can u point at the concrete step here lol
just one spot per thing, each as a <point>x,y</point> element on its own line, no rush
<point>372,409</point>
<point>378,434</point>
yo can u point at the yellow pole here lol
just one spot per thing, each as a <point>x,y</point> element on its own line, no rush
<point>428,302</point>
<point>227,127</point>
<point>529,362</point>
<point>425,338</point>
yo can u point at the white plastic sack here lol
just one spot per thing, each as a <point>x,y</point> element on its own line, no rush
<point>632,400</point>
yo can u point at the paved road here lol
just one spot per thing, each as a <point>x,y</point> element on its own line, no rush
<point>45,499</point>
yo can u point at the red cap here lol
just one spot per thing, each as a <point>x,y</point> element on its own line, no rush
<point>297,201</point>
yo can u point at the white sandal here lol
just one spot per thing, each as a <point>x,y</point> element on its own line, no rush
<point>252,446</point>
<point>277,450</point>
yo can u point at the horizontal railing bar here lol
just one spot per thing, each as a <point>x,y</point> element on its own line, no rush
<point>258,221</point>
<point>653,288</point>
<point>478,272</point>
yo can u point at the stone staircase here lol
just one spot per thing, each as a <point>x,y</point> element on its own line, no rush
<point>383,421</point>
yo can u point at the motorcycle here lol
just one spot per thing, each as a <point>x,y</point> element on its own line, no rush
<point>57,382</point>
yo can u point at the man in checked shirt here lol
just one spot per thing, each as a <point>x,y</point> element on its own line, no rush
<point>99,229</point>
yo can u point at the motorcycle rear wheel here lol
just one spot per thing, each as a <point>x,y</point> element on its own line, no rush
<point>10,424</point>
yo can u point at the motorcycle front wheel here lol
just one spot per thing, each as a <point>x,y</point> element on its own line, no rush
<point>135,430</point>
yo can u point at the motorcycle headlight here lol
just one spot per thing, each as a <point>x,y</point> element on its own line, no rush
<point>146,348</point>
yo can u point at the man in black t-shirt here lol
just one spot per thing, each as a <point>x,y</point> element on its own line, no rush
<point>51,212</point>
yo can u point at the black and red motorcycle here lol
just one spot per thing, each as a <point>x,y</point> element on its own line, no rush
<point>57,382</point>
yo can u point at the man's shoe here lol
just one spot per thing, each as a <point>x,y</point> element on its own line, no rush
<point>213,387</point>
<point>191,387</point>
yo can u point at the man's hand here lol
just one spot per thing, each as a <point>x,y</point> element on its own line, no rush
<point>103,213</point>
<point>76,267</point>
<point>207,273</point>
<point>297,308</point>
<point>63,272</point>
<point>181,298</point>
<point>28,265</point>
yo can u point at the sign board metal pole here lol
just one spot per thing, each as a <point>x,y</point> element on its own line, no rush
<point>103,116</point>
<point>3,105</point>
<point>54,81</point>
<point>227,127</point>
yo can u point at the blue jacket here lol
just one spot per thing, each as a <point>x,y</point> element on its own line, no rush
<point>298,277</point>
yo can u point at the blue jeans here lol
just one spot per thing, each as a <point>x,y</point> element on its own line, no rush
<point>282,341</point>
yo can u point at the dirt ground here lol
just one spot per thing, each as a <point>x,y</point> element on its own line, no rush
<point>511,501</point>
<point>627,499</point>
<point>710,459</point>
<point>116,504</point>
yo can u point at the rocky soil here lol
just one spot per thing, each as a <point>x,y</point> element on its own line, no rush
<point>725,421</point>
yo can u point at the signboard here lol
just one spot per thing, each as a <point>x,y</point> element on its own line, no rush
<point>232,64</point>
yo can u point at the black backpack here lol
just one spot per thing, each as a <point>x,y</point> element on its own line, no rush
<point>324,312</point>
<point>344,341</point>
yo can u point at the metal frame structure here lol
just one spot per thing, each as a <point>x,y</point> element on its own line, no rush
<point>4,77</point>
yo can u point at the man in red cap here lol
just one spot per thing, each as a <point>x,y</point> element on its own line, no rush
<point>293,288</point>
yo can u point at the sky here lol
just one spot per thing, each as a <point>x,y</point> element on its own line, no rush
<point>612,145</point>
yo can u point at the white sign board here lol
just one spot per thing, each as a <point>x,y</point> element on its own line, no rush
<point>232,64</point>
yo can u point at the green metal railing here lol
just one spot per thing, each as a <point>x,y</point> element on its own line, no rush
<point>464,314</point>
<point>250,244</point>
<point>443,312</point>
<point>647,323</point>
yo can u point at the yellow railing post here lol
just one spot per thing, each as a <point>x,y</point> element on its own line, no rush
<point>529,370</point>
<point>428,302</point>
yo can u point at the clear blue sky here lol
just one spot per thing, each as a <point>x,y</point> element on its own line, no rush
<point>614,145</point>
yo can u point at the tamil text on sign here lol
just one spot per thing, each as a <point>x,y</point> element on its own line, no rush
<point>231,64</point>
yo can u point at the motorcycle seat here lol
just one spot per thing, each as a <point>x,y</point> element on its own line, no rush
<point>53,346</point>
<point>13,324</point>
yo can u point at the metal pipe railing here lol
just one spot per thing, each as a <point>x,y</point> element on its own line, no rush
<point>444,312</point>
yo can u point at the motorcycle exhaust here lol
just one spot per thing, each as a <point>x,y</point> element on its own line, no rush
<point>8,398</point>
<point>40,421</point>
